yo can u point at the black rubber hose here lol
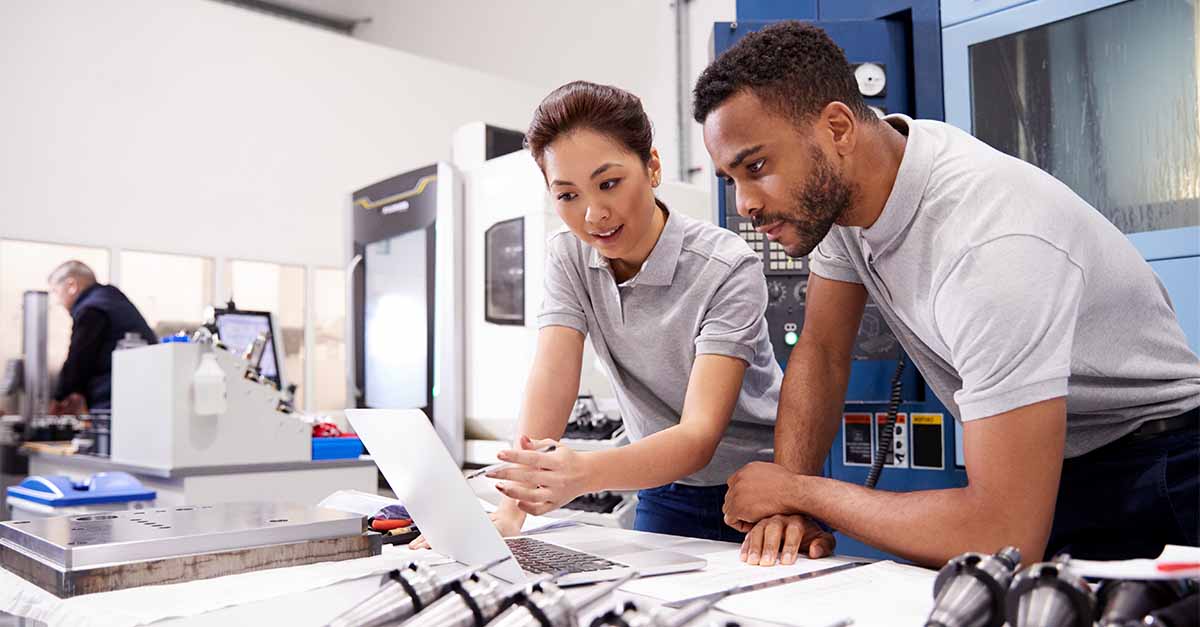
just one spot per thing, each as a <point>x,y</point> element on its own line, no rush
<point>885,435</point>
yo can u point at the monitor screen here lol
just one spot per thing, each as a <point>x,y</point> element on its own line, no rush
<point>238,329</point>
<point>396,326</point>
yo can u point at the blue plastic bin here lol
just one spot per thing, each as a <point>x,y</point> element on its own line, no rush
<point>336,448</point>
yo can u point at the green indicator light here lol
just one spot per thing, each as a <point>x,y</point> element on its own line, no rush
<point>790,338</point>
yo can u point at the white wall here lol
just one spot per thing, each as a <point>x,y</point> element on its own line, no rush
<point>545,43</point>
<point>195,127</point>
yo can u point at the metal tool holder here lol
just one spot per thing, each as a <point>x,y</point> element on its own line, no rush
<point>469,602</point>
<point>1049,594</point>
<point>630,615</point>
<point>402,593</point>
<point>82,554</point>
<point>1125,603</point>
<point>970,589</point>
<point>544,604</point>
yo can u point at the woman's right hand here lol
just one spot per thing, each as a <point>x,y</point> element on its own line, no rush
<point>507,518</point>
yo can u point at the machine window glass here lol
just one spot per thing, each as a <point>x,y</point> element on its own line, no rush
<point>173,304</point>
<point>25,266</point>
<point>279,289</point>
<point>396,324</point>
<point>1106,102</point>
<point>504,287</point>
<point>329,346</point>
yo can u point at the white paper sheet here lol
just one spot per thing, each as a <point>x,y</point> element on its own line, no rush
<point>139,606</point>
<point>883,594</point>
<point>356,502</point>
<point>725,570</point>
<point>1142,568</point>
<point>534,524</point>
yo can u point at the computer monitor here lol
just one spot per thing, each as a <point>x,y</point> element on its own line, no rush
<point>238,329</point>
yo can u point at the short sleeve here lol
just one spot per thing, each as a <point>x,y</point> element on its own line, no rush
<point>831,260</point>
<point>1007,311</point>
<point>733,323</point>
<point>561,304</point>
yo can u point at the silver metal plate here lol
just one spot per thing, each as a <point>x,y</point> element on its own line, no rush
<point>90,540</point>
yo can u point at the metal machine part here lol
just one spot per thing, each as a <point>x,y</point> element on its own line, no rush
<point>254,353</point>
<point>33,340</point>
<point>72,555</point>
<point>1183,613</point>
<point>469,602</point>
<point>1126,602</point>
<point>587,422</point>
<point>1048,594</point>
<point>402,593</point>
<point>630,615</point>
<point>969,590</point>
<point>544,604</point>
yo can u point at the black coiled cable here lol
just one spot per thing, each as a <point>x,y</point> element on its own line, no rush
<point>885,435</point>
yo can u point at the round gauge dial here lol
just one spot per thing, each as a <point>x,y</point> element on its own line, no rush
<point>871,79</point>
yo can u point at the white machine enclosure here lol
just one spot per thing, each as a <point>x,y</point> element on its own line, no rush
<point>498,357</point>
<point>449,385</point>
<point>154,425</point>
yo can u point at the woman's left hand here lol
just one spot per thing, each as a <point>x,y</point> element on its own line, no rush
<point>541,482</point>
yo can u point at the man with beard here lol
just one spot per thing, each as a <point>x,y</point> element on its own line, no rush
<point>1034,320</point>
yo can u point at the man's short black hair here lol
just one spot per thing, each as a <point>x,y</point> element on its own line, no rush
<point>793,67</point>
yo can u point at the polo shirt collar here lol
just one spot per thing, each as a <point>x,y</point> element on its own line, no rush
<point>659,267</point>
<point>907,192</point>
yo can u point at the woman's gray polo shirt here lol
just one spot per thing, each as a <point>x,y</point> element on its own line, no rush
<point>701,291</point>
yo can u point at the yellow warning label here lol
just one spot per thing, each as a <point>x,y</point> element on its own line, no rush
<point>927,419</point>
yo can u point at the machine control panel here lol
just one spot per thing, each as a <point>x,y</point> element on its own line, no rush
<point>775,259</point>
<point>787,286</point>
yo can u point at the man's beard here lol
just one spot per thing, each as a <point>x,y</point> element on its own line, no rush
<point>817,204</point>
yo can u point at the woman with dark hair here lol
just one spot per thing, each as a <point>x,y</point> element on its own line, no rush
<point>674,308</point>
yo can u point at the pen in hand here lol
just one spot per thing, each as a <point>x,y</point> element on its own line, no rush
<point>487,469</point>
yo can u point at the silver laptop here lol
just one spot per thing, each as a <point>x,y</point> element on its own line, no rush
<point>419,469</point>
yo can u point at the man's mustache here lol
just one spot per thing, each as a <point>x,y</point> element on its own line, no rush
<point>766,218</point>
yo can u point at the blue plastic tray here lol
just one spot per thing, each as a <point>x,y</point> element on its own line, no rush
<point>336,448</point>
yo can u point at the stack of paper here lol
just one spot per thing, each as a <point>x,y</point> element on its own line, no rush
<point>725,570</point>
<point>883,594</point>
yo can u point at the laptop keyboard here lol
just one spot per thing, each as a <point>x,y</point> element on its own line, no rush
<point>539,557</point>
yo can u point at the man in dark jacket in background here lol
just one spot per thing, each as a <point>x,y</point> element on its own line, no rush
<point>101,315</point>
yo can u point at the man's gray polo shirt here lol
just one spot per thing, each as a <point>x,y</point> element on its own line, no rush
<point>701,291</point>
<point>1006,288</point>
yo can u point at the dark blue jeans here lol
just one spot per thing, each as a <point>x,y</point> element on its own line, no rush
<point>1129,498</point>
<point>683,510</point>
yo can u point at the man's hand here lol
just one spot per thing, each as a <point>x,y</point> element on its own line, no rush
<point>785,537</point>
<point>756,491</point>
